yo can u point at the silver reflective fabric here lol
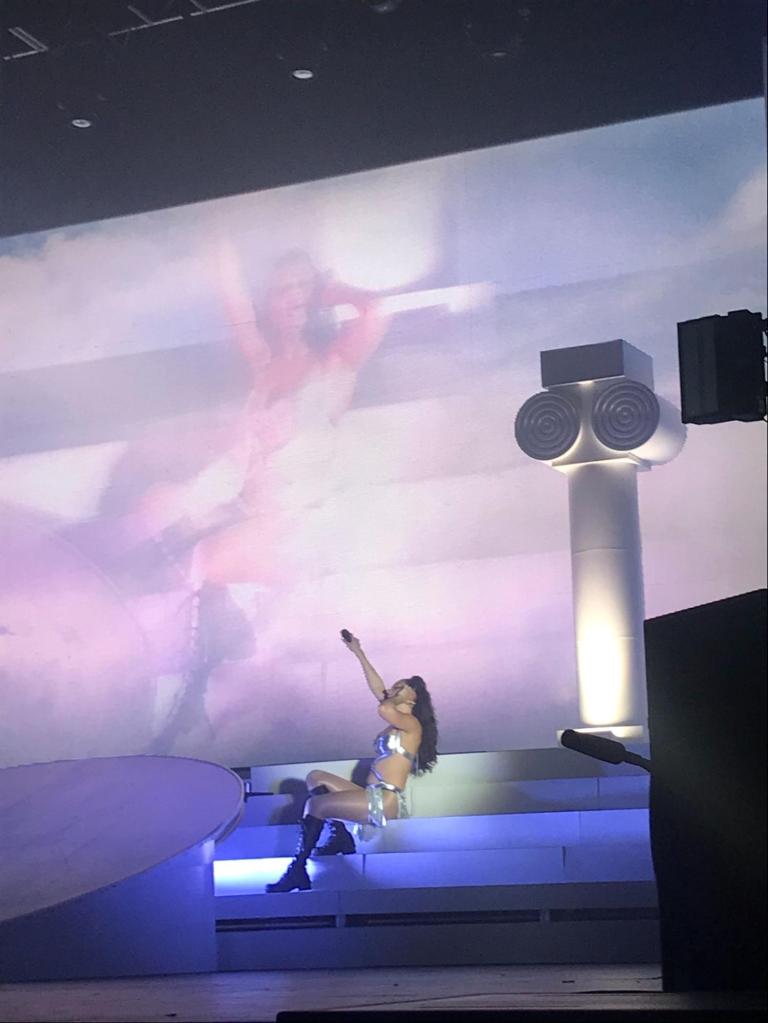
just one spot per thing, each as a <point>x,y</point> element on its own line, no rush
<point>389,743</point>
<point>385,745</point>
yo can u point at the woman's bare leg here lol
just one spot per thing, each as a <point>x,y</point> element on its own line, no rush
<point>349,805</point>
<point>331,781</point>
<point>239,553</point>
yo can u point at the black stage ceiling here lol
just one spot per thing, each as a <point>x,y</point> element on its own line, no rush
<point>190,99</point>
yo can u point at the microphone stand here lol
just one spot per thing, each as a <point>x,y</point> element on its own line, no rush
<point>608,751</point>
<point>638,761</point>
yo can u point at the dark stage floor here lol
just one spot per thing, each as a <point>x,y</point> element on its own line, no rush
<point>256,996</point>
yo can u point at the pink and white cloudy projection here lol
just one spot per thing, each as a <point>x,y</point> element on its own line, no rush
<point>230,430</point>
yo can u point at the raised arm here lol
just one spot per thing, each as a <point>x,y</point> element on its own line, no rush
<point>358,339</point>
<point>238,305</point>
<point>372,677</point>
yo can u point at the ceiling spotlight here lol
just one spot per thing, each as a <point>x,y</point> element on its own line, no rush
<point>383,6</point>
<point>81,122</point>
<point>303,74</point>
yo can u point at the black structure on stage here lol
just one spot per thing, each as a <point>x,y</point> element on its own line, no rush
<point>722,368</point>
<point>706,669</point>
<point>739,1012</point>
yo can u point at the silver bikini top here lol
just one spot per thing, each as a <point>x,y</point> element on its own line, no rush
<point>388,743</point>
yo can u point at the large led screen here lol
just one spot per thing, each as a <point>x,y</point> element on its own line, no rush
<point>229,430</point>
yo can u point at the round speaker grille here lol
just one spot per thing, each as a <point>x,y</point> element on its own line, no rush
<point>625,415</point>
<point>547,425</point>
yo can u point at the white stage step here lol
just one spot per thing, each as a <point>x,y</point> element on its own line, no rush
<point>464,798</point>
<point>500,765</point>
<point>468,784</point>
<point>526,856</point>
<point>480,798</point>
<point>573,899</point>
<point>439,834</point>
<point>475,868</point>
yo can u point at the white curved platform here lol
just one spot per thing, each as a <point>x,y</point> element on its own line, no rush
<point>107,865</point>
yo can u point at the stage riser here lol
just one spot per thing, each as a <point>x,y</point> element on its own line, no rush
<point>546,865</point>
<point>620,899</point>
<point>160,921</point>
<point>463,768</point>
<point>530,796</point>
<point>533,943</point>
<point>481,798</point>
<point>503,854</point>
<point>431,834</point>
<point>106,866</point>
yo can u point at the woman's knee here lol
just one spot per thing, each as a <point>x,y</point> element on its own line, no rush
<point>315,778</point>
<point>332,782</point>
<point>316,806</point>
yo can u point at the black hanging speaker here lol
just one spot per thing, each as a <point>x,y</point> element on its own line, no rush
<point>706,670</point>
<point>722,374</point>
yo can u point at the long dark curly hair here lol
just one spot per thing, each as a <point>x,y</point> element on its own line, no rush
<point>319,330</point>
<point>424,713</point>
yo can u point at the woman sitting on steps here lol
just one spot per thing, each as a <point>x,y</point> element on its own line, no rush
<point>408,745</point>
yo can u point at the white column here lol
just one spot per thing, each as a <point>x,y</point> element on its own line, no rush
<point>598,423</point>
<point>607,593</point>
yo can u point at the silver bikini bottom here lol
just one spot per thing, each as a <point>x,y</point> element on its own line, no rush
<point>376,815</point>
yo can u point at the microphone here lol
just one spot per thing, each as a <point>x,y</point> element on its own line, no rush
<point>600,748</point>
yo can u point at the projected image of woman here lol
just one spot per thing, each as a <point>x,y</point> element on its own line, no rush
<point>408,745</point>
<point>302,373</point>
<point>302,369</point>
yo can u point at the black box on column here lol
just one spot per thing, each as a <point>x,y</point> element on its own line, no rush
<point>722,368</point>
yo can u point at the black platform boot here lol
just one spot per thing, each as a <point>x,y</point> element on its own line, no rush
<point>296,876</point>
<point>339,843</point>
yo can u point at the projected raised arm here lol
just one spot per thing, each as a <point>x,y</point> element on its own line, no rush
<point>368,314</point>
<point>238,303</point>
<point>359,338</point>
